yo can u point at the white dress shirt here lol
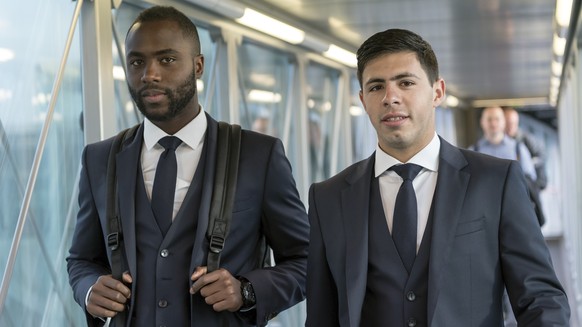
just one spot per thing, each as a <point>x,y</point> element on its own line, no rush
<point>424,184</point>
<point>187,155</point>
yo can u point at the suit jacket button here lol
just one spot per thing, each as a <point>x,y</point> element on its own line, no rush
<point>411,322</point>
<point>162,303</point>
<point>164,253</point>
<point>410,296</point>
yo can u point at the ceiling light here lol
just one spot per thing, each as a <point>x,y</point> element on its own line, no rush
<point>265,80</point>
<point>199,85</point>
<point>563,12</point>
<point>451,101</point>
<point>6,54</point>
<point>342,55</point>
<point>326,106</point>
<point>310,103</point>
<point>118,73</point>
<point>557,68</point>
<point>264,96</point>
<point>356,110</point>
<point>555,81</point>
<point>559,45</point>
<point>271,26</point>
<point>553,97</point>
<point>129,108</point>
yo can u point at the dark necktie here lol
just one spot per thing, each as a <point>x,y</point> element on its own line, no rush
<point>405,215</point>
<point>165,183</point>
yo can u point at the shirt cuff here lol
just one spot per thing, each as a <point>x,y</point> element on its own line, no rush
<point>87,302</point>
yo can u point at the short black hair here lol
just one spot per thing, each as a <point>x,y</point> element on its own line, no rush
<point>163,13</point>
<point>398,40</point>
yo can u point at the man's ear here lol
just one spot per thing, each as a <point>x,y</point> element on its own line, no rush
<point>438,92</point>
<point>199,65</point>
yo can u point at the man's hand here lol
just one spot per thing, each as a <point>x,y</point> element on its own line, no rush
<point>218,288</point>
<point>108,296</point>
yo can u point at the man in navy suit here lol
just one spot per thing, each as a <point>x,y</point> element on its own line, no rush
<point>476,230</point>
<point>166,281</point>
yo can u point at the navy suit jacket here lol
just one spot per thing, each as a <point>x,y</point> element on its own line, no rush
<point>266,202</point>
<point>485,236</point>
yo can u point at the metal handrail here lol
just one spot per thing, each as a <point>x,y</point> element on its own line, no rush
<point>33,220</point>
<point>36,163</point>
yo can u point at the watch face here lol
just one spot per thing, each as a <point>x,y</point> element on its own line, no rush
<point>247,293</point>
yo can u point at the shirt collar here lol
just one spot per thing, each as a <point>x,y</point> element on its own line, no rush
<point>192,134</point>
<point>428,157</point>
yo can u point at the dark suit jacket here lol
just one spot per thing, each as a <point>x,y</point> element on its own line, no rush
<point>485,236</point>
<point>266,201</point>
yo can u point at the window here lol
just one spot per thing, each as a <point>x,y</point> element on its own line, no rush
<point>32,42</point>
<point>322,93</point>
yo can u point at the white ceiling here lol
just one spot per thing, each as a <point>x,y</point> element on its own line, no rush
<point>487,49</point>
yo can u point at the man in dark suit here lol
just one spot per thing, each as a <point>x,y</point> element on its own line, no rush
<point>166,280</point>
<point>475,230</point>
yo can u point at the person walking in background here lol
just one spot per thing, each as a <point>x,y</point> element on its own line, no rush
<point>534,147</point>
<point>167,282</point>
<point>498,144</point>
<point>471,230</point>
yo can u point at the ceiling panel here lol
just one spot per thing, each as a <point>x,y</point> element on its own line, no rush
<point>487,49</point>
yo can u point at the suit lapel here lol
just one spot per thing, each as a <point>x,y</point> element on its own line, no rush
<point>127,160</point>
<point>451,185</point>
<point>200,249</point>
<point>355,211</point>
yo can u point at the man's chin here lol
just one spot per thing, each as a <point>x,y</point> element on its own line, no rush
<point>155,114</point>
<point>158,118</point>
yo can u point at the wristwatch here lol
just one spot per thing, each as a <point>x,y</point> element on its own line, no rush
<point>248,295</point>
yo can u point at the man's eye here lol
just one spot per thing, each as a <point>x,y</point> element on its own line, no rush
<point>167,60</point>
<point>407,83</point>
<point>375,88</point>
<point>135,63</point>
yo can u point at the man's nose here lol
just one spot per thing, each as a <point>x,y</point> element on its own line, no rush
<point>151,73</point>
<point>391,95</point>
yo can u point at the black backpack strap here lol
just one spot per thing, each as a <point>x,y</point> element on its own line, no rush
<point>115,234</point>
<point>227,158</point>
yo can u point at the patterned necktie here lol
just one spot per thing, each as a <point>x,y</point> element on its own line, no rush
<point>165,183</point>
<point>405,215</point>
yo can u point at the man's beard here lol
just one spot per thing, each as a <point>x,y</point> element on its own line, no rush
<point>177,98</point>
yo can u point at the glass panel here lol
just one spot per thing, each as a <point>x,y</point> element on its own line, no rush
<point>32,39</point>
<point>208,49</point>
<point>445,124</point>
<point>363,133</point>
<point>127,113</point>
<point>322,88</point>
<point>265,78</point>
<point>266,85</point>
